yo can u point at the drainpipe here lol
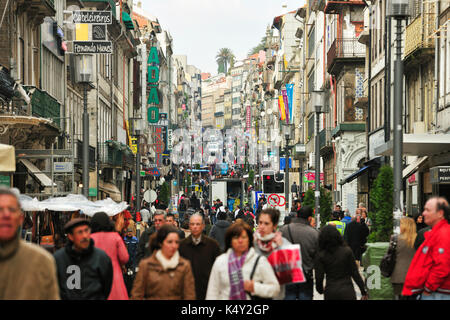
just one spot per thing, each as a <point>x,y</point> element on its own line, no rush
<point>436,67</point>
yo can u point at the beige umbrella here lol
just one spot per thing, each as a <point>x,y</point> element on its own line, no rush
<point>7,158</point>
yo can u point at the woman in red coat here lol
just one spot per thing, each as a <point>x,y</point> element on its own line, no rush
<point>108,240</point>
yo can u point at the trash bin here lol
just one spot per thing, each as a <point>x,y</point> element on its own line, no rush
<point>379,287</point>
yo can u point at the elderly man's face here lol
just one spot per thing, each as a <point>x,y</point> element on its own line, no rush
<point>11,217</point>
<point>196,226</point>
<point>159,221</point>
<point>430,213</point>
<point>80,236</point>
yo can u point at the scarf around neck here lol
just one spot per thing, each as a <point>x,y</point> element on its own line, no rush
<point>235,264</point>
<point>266,243</point>
<point>168,263</point>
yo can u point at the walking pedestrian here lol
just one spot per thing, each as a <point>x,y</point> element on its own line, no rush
<point>356,237</point>
<point>299,231</point>
<point>218,230</point>
<point>144,240</point>
<point>429,272</point>
<point>231,275</point>
<point>170,219</point>
<point>106,239</point>
<point>27,271</point>
<point>267,239</point>
<point>404,253</point>
<point>201,251</point>
<point>335,260</point>
<point>84,272</point>
<point>340,226</point>
<point>420,224</point>
<point>130,268</point>
<point>164,275</point>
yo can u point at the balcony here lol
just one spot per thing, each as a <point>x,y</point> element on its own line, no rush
<point>325,143</point>
<point>419,45</point>
<point>110,154</point>
<point>37,9</point>
<point>335,7</point>
<point>44,105</point>
<point>79,155</point>
<point>348,126</point>
<point>344,51</point>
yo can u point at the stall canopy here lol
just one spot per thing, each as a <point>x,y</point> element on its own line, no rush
<point>7,158</point>
<point>73,202</point>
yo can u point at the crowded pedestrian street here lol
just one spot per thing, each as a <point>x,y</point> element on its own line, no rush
<point>221,155</point>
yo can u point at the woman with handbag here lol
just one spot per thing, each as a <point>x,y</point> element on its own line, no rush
<point>335,260</point>
<point>267,239</point>
<point>240,273</point>
<point>404,253</point>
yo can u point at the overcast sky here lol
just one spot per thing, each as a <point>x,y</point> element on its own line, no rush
<point>201,27</point>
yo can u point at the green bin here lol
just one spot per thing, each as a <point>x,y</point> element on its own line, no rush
<point>372,257</point>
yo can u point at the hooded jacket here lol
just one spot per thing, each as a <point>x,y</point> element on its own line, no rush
<point>430,267</point>
<point>218,232</point>
<point>86,275</point>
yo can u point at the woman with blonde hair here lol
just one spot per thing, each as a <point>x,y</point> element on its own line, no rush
<point>404,254</point>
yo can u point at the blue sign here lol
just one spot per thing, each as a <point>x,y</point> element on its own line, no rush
<point>283,163</point>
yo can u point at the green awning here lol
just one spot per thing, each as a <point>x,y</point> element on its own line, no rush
<point>127,21</point>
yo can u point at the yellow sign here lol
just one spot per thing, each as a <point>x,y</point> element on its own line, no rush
<point>82,32</point>
<point>134,145</point>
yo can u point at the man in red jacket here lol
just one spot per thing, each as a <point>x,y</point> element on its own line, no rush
<point>429,272</point>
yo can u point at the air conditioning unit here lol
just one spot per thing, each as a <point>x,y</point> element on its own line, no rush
<point>398,8</point>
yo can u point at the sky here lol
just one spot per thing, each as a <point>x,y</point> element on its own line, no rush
<point>199,28</point>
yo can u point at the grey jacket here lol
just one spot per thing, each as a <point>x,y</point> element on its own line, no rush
<point>218,232</point>
<point>403,258</point>
<point>307,237</point>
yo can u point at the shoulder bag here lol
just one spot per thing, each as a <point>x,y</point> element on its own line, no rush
<point>387,264</point>
<point>253,297</point>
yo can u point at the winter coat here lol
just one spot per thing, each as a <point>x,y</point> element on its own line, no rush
<point>356,236</point>
<point>27,272</point>
<point>86,275</point>
<point>218,232</point>
<point>152,282</point>
<point>143,250</point>
<point>430,267</point>
<point>132,245</point>
<point>265,282</point>
<point>403,258</point>
<point>201,257</point>
<point>339,268</point>
<point>115,248</point>
<point>307,237</point>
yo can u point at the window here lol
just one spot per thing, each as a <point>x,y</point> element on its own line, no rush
<point>311,42</point>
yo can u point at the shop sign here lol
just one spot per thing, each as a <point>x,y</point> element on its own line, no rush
<point>440,175</point>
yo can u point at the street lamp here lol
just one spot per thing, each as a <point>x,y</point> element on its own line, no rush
<point>399,10</point>
<point>288,135</point>
<point>319,107</point>
<point>138,127</point>
<point>84,75</point>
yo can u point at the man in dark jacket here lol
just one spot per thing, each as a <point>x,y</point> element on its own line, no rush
<point>201,251</point>
<point>144,241</point>
<point>84,272</point>
<point>218,230</point>
<point>356,236</point>
<point>299,231</point>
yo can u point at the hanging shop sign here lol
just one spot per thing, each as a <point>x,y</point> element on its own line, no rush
<point>440,175</point>
<point>152,85</point>
<point>92,17</point>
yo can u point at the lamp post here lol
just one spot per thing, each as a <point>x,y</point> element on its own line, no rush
<point>84,66</point>
<point>137,129</point>
<point>399,10</point>
<point>287,131</point>
<point>318,108</point>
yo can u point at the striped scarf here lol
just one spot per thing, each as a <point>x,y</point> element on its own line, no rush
<point>235,264</point>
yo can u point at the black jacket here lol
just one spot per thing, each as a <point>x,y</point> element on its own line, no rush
<point>86,275</point>
<point>339,268</point>
<point>143,249</point>
<point>202,257</point>
<point>356,236</point>
<point>218,232</point>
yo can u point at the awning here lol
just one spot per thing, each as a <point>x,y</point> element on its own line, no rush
<point>111,189</point>
<point>413,167</point>
<point>127,21</point>
<point>423,144</point>
<point>7,158</point>
<point>42,178</point>
<point>355,175</point>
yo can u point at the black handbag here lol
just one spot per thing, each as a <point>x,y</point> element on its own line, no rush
<point>387,264</point>
<point>253,297</point>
